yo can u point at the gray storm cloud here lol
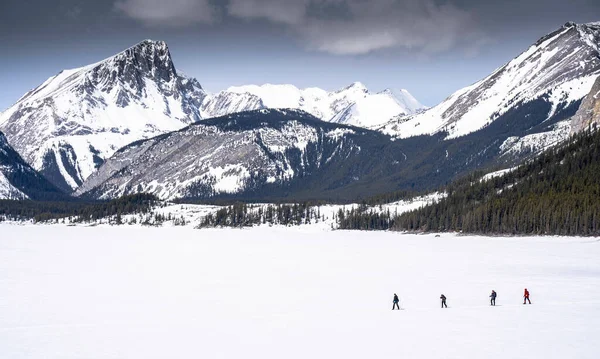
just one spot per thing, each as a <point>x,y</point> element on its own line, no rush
<point>173,13</point>
<point>342,27</point>
<point>289,12</point>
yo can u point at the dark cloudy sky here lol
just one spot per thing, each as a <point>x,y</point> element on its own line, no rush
<point>430,47</point>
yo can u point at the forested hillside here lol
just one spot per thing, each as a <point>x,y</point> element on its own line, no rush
<point>557,193</point>
<point>78,211</point>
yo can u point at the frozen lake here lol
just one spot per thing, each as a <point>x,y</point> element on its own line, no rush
<point>130,292</point>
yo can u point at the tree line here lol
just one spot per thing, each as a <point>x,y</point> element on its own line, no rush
<point>364,218</point>
<point>77,211</point>
<point>245,215</point>
<point>557,193</point>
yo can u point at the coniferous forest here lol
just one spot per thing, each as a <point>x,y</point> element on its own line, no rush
<point>364,218</point>
<point>558,193</point>
<point>243,215</point>
<point>79,211</point>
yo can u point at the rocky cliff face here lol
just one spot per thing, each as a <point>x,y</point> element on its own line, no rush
<point>588,113</point>
<point>67,126</point>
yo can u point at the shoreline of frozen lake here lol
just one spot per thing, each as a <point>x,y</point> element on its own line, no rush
<point>131,292</point>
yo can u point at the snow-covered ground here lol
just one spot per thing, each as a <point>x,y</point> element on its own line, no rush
<point>191,215</point>
<point>496,174</point>
<point>129,292</point>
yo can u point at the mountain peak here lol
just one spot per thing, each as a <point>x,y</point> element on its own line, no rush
<point>589,24</point>
<point>390,91</point>
<point>146,56</point>
<point>405,99</point>
<point>355,86</point>
<point>147,42</point>
<point>149,47</point>
<point>571,24</point>
<point>134,94</point>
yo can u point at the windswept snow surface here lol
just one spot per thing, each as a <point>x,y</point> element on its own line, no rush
<point>123,292</point>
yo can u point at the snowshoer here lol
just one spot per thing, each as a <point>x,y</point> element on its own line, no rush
<point>526,297</point>
<point>396,301</point>
<point>443,298</point>
<point>493,298</point>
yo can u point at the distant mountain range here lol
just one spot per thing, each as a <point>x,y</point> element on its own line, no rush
<point>132,123</point>
<point>66,127</point>
<point>353,105</point>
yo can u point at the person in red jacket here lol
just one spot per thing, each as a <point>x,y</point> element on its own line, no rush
<point>526,297</point>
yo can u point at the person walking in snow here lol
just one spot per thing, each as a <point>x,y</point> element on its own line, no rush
<point>526,297</point>
<point>396,301</point>
<point>443,298</point>
<point>493,298</point>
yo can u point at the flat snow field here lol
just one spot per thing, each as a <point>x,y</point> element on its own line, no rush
<point>124,292</point>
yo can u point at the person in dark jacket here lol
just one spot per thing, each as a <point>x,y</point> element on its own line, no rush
<point>396,301</point>
<point>493,298</point>
<point>526,297</point>
<point>443,298</point>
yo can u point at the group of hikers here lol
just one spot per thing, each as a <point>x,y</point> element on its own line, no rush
<point>493,296</point>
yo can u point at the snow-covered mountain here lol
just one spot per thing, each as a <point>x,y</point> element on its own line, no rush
<point>587,115</point>
<point>67,126</point>
<point>232,154</point>
<point>18,180</point>
<point>558,69</point>
<point>276,154</point>
<point>76,122</point>
<point>353,105</point>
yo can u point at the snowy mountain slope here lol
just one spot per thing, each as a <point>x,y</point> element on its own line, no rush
<point>588,114</point>
<point>68,125</point>
<point>533,144</point>
<point>371,111</point>
<point>287,155</point>
<point>352,105</point>
<point>283,155</point>
<point>407,101</point>
<point>559,68</point>
<point>227,155</point>
<point>225,103</point>
<point>18,180</point>
<point>8,191</point>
